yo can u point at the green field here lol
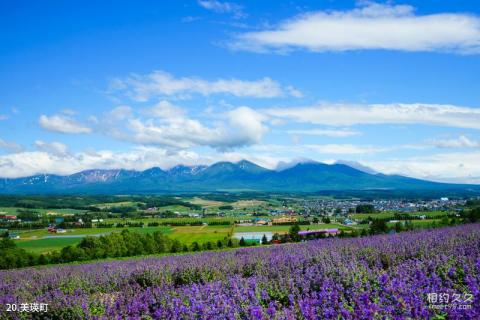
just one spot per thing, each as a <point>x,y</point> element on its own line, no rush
<point>29,234</point>
<point>201,234</point>
<point>420,223</point>
<point>391,215</point>
<point>15,210</point>
<point>107,205</point>
<point>285,228</point>
<point>34,241</point>
<point>47,245</point>
<point>182,219</point>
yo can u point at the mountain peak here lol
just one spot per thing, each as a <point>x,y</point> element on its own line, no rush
<point>282,165</point>
<point>250,166</point>
<point>186,170</point>
<point>357,165</point>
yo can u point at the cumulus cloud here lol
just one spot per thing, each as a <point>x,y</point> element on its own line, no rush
<point>166,125</point>
<point>332,133</point>
<point>223,7</point>
<point>369,26</point>
<point>160,84</point>
<point>62,124</point>
<point>240,127</point>
<point>417,113</point>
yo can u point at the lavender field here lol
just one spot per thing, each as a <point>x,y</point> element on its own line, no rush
<point>402,276</point>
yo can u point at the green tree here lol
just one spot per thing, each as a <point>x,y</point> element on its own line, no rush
<point>242,242</point>
<point>264,239</point>
<point>293,232</point>
<point>378,226</point>
<point>365,208</point>
<point>398,227</point>
<point>209,245</point>
<point>176,246</point>
<point>7,243</point>
<point>195,246</point>
<point>474,215</point>
<point>161,242</point>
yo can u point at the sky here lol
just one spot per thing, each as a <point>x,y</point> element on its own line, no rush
<point>392,85</point>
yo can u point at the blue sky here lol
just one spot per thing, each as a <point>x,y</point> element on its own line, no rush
<point>116,84</point>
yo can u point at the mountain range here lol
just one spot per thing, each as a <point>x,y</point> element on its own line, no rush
<point>223,176</point>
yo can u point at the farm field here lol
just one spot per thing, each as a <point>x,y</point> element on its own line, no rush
<point>200,234</point>
<point>391,215</point>
<point>46,245</point>
<point>285,228</point>
<point>115,204</point>
<point>183,219</point>
<point>206,203</point>
<point>27,234</point>
<point>35,241</point>
<point>420,223</point>
<point>376,277</point>
<point>15,210</point>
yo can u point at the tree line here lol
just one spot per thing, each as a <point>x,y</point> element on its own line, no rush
<point>128,243</point>
<point>113,245</point>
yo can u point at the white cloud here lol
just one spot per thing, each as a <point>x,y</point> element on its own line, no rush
<point>308,149</point>
<point>169,126</point>
<point>62,124</point>
<point>449,167</point>
<point>120,113</point>
<point>160,84</point>
<point>31,163</point>
<point>139,158</point>
<point>164,109</point>
<point>461,142</point>
<point>369,26</point>
<point>55,148</point>
<point>346,149</point>
<point>241,127</point>
<point>10,146</point>
<point>3,117</point>
<point>223,7</point>
<point>417,113</point>
<point>339,133</point>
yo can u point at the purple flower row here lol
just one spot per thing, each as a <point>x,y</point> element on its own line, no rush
<point>386,276</point>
